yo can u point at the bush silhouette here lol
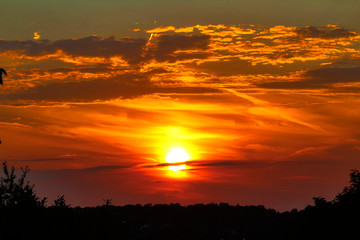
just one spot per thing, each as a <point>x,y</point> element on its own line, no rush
<point>60,203</point>
<point>107,202</point>
<point>15,192</point>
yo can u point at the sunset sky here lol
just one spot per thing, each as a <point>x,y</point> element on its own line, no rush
<point>259,98</point>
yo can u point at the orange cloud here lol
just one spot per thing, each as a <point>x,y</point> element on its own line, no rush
<point>278,45</point>
<point>36,36</point>
<point>327,32</point>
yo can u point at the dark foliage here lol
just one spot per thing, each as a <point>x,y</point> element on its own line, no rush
<point>351,195</point>
<point>107,202</point>
<point>60,203</point>
<point>336,219</point>
<point>15,193</point>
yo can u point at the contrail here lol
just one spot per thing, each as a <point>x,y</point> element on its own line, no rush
<point>268,108</point>
<point>147,45</point>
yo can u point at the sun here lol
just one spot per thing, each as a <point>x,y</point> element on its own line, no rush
<point>177,155</point>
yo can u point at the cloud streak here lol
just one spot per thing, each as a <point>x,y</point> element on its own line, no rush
<point>319,78</point>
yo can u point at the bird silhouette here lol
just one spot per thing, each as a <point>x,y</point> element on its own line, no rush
<point>1,72</point>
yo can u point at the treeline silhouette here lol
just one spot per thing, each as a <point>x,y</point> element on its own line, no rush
<point>23,214</point>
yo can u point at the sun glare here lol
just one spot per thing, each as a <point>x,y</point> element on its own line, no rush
<point>178,167</point>
<point>176,155</point>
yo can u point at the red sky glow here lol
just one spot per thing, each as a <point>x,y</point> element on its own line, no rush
<point>268,113</point>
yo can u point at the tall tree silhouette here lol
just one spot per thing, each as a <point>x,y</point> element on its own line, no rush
<point>15,192</point>
<point>350,196</point>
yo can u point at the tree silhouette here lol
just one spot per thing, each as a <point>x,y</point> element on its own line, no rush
<point>15,193</point>
<point>321,202</point>
<point>107,202</point>
<point>351,194</point>
<point>60,203</point>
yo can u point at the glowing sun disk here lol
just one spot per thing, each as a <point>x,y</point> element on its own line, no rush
<point>176,155</point>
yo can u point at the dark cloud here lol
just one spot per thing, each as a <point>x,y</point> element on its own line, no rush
<point>290,85</point>
<point>167,45</point>
<point>130,49</point>
<point>157,71</point>
<point>126,86</point>
<point>319,78</point>
<point>213,163</point>
<point>170,43</point>
<point>99,168</point>
<point>31,48</point>
<point>349,90</point>
<point>334,75</point>
<point>234,65</point>
<point>96,69</point>
<point>96,46</point>
<point>93,46</point>
<point>121,86</point>
<point>229,163</point>
<point>324,32</point>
